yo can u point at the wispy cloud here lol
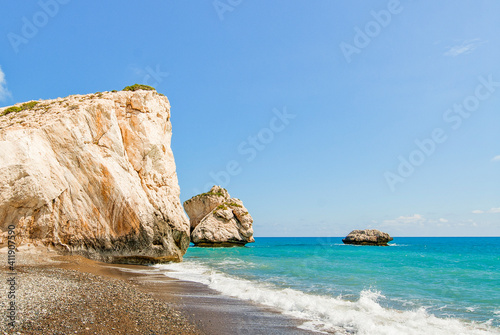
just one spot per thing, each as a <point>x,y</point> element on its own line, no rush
<point>4,92</point>
<point>491,210</point>
<point>496,158</point>
<point>415,219</point>
<point>465,47</point>
<point>417,222</point>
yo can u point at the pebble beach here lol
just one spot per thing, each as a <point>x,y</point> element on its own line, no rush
<point>52,297</point>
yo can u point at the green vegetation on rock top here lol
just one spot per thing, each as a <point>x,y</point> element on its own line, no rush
<point>223,207</point>
<point>17,109</point>
<point>233,204</point>
<point>137,87</point>
<point>219,194</point>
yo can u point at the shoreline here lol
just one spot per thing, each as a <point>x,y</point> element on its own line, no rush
<point>207,309</point>
<point>211,311</point>
<point>126,299</point>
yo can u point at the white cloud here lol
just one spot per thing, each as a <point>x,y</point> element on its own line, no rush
<point>4,92</point>
<point>465,47</point>
<point>415,219</point>
<point>491,210</point>
<point>496,158</point>
<point>419,225</point>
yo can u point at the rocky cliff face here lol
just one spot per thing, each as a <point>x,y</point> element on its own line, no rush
<point>93,175</point>
<point>219,220</point>
<point>199,206</point>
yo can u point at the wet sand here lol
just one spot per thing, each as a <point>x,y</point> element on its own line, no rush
<point>74,295</point>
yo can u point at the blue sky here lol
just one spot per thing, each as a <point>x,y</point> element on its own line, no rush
<point>322,116</point>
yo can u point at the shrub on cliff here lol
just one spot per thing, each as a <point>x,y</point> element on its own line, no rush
<point>136,87</point>
<point>17,109</point>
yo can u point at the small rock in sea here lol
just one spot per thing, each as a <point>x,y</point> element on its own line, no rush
<point>367,237</point>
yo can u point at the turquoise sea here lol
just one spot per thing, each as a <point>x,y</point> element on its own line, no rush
<point>414,286</point>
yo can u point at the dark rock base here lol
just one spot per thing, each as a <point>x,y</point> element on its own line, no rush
<point>380,244</point>
<point>220,244</point>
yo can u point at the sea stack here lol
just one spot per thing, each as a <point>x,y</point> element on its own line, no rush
<point>93,175</point>
<point>217,220</point>
<point>367,237</point>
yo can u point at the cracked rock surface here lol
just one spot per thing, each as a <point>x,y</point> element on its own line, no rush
<point>93,175</point>
<point>217,220</point>
<point>367,237</point>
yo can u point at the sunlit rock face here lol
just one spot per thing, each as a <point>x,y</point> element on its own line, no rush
<point>94,175</point>
<point>217,220</point>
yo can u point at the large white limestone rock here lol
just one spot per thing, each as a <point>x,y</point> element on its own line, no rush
<point>93,175</point>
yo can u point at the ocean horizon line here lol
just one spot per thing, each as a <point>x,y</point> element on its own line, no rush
<point>392,236</point>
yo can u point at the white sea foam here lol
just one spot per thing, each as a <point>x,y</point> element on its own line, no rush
<point>235,263</point>
<point>146,271</point>
<point>325,313</point>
